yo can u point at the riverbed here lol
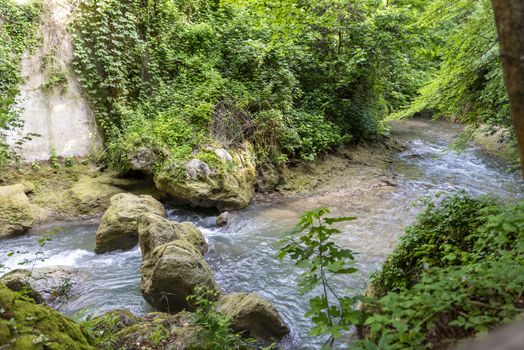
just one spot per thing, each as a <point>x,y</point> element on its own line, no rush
<point>243,255</point>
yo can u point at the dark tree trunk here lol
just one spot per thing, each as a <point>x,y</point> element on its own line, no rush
<point>509,15</point>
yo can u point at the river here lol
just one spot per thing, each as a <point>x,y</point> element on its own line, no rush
<point>242,256</point>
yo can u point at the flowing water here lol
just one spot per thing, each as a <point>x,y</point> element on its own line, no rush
<point>242,255</point>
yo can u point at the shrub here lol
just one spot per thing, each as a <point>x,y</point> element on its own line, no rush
<point>442,235</point>
<point>448,304</point>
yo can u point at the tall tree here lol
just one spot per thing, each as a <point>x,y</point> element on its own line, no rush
<point>509,15</point>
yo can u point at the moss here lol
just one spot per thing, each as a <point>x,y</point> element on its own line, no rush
<point>5,332</point>
<point>27,342</point>
<point>80,191</point>
<point>31,326</point>
<point>212,160</point>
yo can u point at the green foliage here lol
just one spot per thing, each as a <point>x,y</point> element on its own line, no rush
<point>17,34</point>
<point>312,249</point>
<point>448,304</point>
<point>468,84</point>
<point>295,79</point>
<point>441,236</point>
<point>502,235</point>
<point>457,272</point>
<point>214,332</point>
<point>69,162</point>
<point>311,134</point>
<point>54,161</point>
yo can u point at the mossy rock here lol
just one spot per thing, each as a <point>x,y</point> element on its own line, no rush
<point>253,316</point>
<point>88,196</point>
<point>51,285</point>
<point>154,230</point>
<point>120,329</point>
<point>25,325</point>
<point>225,180</point>
<point>119,226</point>
<point>172,273</point>
<point>16,212</point>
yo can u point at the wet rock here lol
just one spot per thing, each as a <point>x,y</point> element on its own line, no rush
<point>16,212</point>
<point>153,231</point>
<point>192,234</point>
<point>173,271</point>
<point>223,219</point>
<point>52,285</point>
<point>226,183</point>
<point>119,226</point>
<point>33,320</point>
<point>254,315</point>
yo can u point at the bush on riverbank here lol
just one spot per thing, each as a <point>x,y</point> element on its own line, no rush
<point>457,271</point>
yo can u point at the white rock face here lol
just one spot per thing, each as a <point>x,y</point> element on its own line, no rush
<point>58,113</point>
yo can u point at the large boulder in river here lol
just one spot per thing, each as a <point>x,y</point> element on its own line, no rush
<point>37,326</point>
<point>171,273</point>
<point>16,213</point>
<point>192,234</point>
<point>119,226</point>
<point>214,178</point>
<point>253,315</point>
<point>154,230</point>
<point>52,285</point>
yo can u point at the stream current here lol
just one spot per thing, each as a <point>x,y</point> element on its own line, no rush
<point>242,256</point>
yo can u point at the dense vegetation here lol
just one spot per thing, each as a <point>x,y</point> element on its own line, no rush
<point>296,79</point>
<point>467,84</point>
<point>457,271</point>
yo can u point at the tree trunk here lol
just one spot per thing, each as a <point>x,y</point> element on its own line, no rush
<point>509,15</point>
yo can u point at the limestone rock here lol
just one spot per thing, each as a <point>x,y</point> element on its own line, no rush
<point>226,186</point>
<point>172,273</point>
<point>153,231</point>
<point>254,315</point>
<point>119,226</point>
<point>16,213</point>
<point>192,234</point>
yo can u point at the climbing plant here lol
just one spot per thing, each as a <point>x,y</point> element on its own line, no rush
<point>18,25</point>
